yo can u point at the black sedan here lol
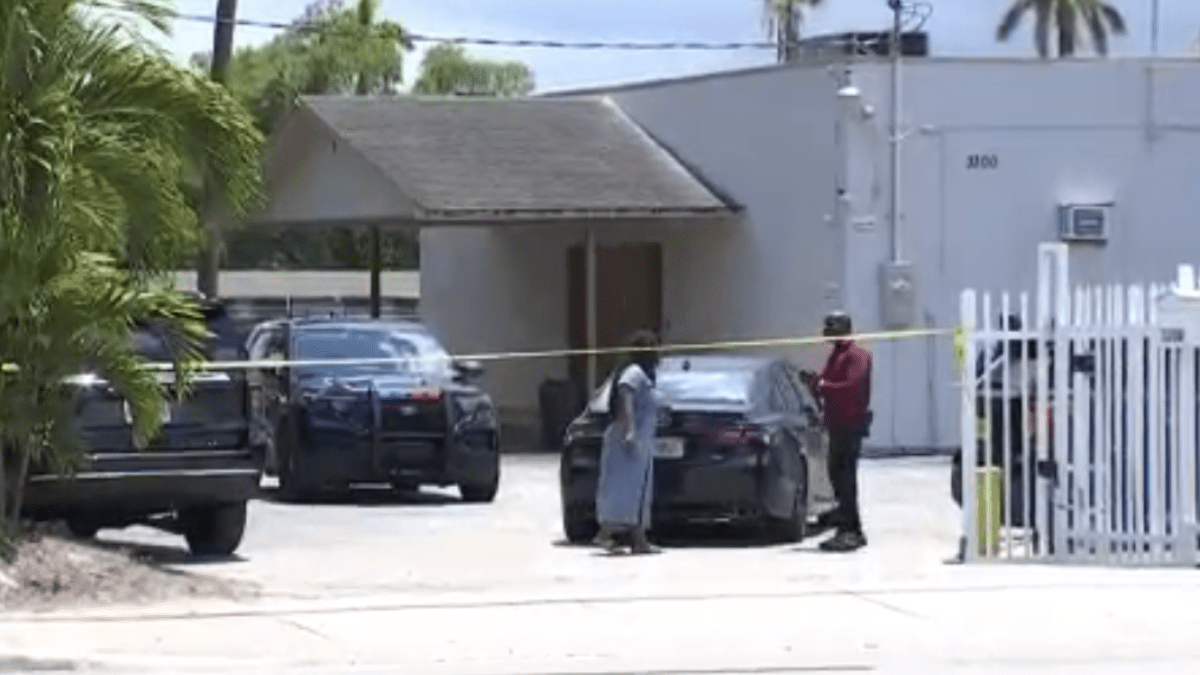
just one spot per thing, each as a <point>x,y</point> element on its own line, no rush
<point>406,414</point>
<point>739,440</point>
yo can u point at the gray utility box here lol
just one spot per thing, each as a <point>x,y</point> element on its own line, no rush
<point>898,295</point>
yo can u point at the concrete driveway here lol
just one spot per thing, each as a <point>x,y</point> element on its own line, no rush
<point>430,585</point>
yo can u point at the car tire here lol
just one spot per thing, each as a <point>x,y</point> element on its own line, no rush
<point>82,527</point>
<point>214,530</point>
<point>578,527</point>
<point>794,528</point>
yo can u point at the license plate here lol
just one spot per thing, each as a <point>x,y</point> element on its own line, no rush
<point>669,448</point>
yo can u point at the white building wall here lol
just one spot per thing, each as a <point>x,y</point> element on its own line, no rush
<point>1123,131</point>
<point>764,139</point>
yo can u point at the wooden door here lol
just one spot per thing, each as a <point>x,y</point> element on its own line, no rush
<point>628,298</point>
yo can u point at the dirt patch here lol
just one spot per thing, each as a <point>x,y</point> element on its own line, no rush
<point>53,571</point>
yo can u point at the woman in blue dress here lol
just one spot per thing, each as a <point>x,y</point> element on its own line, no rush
<point>626,483</point>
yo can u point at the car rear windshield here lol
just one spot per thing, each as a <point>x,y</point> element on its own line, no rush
<point>705,386</point>
<point>153,343</point>
<point>407,351</point>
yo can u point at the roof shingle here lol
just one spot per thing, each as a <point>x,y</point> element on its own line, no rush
<point>459,156</point>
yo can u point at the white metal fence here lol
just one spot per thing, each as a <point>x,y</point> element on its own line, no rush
<point>1080,422</point>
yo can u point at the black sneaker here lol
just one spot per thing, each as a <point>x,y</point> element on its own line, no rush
<point>844,542</point>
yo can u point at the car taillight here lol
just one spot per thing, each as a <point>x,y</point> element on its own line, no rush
<point>744,435</point>
<point>426,396</point>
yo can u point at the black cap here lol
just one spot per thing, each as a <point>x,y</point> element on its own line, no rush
<point>838,323</point>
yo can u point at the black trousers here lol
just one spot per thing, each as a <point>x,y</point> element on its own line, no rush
<point>845,446</point>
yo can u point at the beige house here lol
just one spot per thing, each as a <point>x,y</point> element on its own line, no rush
<point>544,222</point>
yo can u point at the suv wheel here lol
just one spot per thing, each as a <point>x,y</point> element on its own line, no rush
<point>485,492</point>
<point>214,530</point>
<point>482,493</point>
<point>82,527</point>
<point>294,486</point>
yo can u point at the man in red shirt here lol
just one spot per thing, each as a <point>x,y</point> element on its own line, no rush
<point>844,388</point>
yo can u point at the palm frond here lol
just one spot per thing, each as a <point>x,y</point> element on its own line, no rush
<point>1012,18</point>
<point>98,135</point>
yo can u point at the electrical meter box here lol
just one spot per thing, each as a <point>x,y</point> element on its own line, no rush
<point>898,295</point>
<point>1179,310</point>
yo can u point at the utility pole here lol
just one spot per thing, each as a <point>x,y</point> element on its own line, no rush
<point>897,7</point>
<point>209,263</point>
<point>1154,27</point>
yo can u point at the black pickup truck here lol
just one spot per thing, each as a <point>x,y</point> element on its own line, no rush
<point>194,478</point>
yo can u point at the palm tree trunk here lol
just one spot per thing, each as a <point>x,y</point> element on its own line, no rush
<point>18,502</point>
<point>209,268</point>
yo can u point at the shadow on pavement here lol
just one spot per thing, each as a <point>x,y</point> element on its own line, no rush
<point>369,496</point>
<point>719,536</point>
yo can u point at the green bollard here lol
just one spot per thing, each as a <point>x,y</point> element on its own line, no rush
<point>989,500</point>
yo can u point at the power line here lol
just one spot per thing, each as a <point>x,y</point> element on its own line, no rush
<point>302,26</point>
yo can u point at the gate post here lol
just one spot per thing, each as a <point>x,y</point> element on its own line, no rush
<point>1054,307</point>
<point>967,427</point>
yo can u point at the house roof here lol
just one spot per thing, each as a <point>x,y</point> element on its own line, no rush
<point>512,158</point>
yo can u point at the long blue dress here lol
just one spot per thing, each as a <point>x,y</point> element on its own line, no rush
<point>626,483</point>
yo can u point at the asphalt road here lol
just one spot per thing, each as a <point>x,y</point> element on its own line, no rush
<point>377,541</point>
<point>426,584</point>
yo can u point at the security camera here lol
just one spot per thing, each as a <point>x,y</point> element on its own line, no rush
<point>849,92</point>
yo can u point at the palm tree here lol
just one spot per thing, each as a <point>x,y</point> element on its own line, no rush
<point>1068,18</point>
<point>784,19</point>
<point>96,133</point>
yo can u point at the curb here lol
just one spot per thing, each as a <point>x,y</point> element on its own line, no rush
<point>409,603</point>
<point>33,661</point>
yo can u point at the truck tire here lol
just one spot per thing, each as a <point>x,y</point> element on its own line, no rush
<point>214,530</point>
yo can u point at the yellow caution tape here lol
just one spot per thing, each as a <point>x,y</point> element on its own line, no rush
<point>549,353</point>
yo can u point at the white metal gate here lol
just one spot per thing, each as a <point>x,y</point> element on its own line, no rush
<point>1081,423</point>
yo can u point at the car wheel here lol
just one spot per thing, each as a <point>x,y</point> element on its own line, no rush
<point>794,528</point>
<point>214,530</point>
<point>82,527</point>
<point>578,527</point>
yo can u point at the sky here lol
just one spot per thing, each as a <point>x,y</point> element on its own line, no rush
<point>956,27</point>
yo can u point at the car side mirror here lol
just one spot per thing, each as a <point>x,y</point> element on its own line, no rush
<point>468,370</point>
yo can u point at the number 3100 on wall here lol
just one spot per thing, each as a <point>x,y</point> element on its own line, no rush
<point>982,162</point>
